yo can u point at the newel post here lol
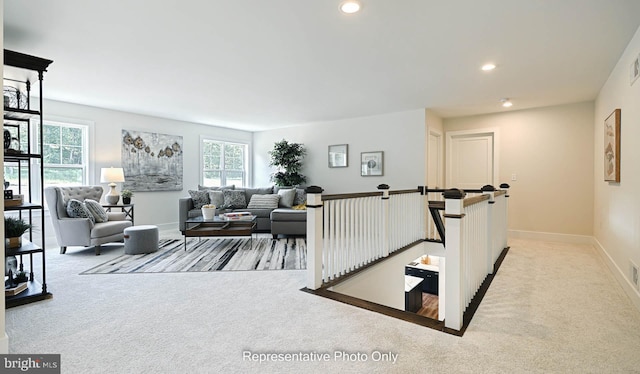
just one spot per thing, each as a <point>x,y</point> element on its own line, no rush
<point>385,219</point>
<point>504,244</point>
<point>454,213</point>
<point>314,237</point>
<point>491,226</point>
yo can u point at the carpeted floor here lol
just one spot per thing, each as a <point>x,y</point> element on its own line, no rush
<point>212,254</point>
<point>552,308</point>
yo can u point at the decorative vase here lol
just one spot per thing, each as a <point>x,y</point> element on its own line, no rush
<point>15,242</point>
<point>126,200</point>
<point>208,213</point>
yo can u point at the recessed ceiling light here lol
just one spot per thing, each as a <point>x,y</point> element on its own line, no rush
<point>488,67</point>
<point>350,6</point>
<point>506,103</point>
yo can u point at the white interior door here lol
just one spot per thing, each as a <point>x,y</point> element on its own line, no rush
<point>434,163</point>
<point>471,159</point>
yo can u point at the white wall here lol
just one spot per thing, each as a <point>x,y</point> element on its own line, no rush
<point>159,208</point>
<point>617,205</point>
<point>551,152</point>
<point>400,135</point>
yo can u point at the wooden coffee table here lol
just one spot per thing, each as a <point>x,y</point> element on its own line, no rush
<point>200,227</point>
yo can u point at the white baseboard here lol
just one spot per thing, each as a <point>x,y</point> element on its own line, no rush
<point>618,274</point>
<point>550,236</point>
<point>4,344</point>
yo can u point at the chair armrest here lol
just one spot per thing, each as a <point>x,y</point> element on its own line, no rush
<point>116,216</point>
<point>74,231</point>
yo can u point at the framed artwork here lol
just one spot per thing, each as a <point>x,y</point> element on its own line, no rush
<point>339,156</point>
<point>612,147</point>
<point>151,161</point>
<point>634,70</point>
<point>371,164</point>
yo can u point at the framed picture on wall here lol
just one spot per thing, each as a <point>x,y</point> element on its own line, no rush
<point>612,147</point>
<point>339,156</point>
<point>371,164</point>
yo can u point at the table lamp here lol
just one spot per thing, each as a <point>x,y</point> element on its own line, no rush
<point>112,176</point>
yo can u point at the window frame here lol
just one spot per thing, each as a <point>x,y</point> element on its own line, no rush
<point>246,180</point>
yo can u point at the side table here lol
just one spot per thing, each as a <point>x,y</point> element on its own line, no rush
<point>127,209</point>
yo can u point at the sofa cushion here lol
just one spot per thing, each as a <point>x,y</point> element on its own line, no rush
<point>282,214</point>
<point>216,198</point>
<point>199,198</point>
<point>268,201</point>
<point>97,211</point>
<point>216,188</point>
<point>260,213</point>
<point>286,198</point>
<point>234,199</point>
<point>76,209</point>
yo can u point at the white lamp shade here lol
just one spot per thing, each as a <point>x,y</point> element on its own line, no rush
<point>111,175</point>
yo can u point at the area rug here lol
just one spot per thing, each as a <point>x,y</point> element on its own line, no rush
<point>212,254</point>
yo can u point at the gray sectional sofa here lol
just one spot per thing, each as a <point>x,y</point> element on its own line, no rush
<point>279,210</point>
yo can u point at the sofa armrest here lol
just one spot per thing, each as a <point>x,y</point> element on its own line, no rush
<point>185,204</point>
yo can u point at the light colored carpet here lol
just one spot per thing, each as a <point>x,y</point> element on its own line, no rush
<point>552,308</point>
<point>212,254</point>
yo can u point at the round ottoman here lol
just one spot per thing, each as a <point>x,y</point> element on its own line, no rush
<point>140,239</point>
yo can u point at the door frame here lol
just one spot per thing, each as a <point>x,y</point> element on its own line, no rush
<point>492,131</point>
<point>439,162</point>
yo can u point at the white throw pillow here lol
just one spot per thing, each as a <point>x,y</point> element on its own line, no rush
<point>286,198</point>
<point>97,210</point>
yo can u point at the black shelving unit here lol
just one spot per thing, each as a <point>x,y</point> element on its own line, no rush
<point>21,70</point>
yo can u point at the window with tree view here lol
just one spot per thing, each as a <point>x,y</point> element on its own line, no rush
<point>65,154</point>
<point>224,163</point>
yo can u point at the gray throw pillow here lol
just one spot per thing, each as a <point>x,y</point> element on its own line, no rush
<point>199,198</point>
<point>97,211</point>
<point>269,201</point>
<point>216,198</point>
<point>234,199</point>
<point>286,198</point>
<point>301,197</point>
<point>76,209</point>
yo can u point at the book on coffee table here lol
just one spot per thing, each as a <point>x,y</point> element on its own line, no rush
<point>238,216</point>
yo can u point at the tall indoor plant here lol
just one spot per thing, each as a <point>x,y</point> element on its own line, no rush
<point>287,158</point>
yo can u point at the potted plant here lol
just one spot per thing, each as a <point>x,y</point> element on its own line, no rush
<point>287,158</point>
<point>126,196</point>
<point>13,230</point>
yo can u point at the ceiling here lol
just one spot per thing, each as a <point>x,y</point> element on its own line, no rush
<point>262,64</point>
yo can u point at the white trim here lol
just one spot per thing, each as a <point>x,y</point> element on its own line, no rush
<point>550,236</point>
<point>628,288</point>
<point>90,139</point>
<point>440,157</point>
<point>495,134</point>
<point>248,175</point>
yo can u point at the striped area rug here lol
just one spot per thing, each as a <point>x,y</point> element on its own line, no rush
<point>212,254</point>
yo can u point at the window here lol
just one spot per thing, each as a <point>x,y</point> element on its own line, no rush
<point>65,154</point>
<point>224,163</point>
<point>65,158</point>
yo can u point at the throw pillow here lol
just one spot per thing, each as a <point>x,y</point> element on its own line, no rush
<point>216,198</point>
<point>234,199</point>
<point>97,211</point>
<point>199,198</point>
<point>286,198</point>
<point>301,197</point>
<point>76,209</point>
<point>269,201</point>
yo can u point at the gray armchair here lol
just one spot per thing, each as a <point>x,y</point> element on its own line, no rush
<point>81,231</point>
